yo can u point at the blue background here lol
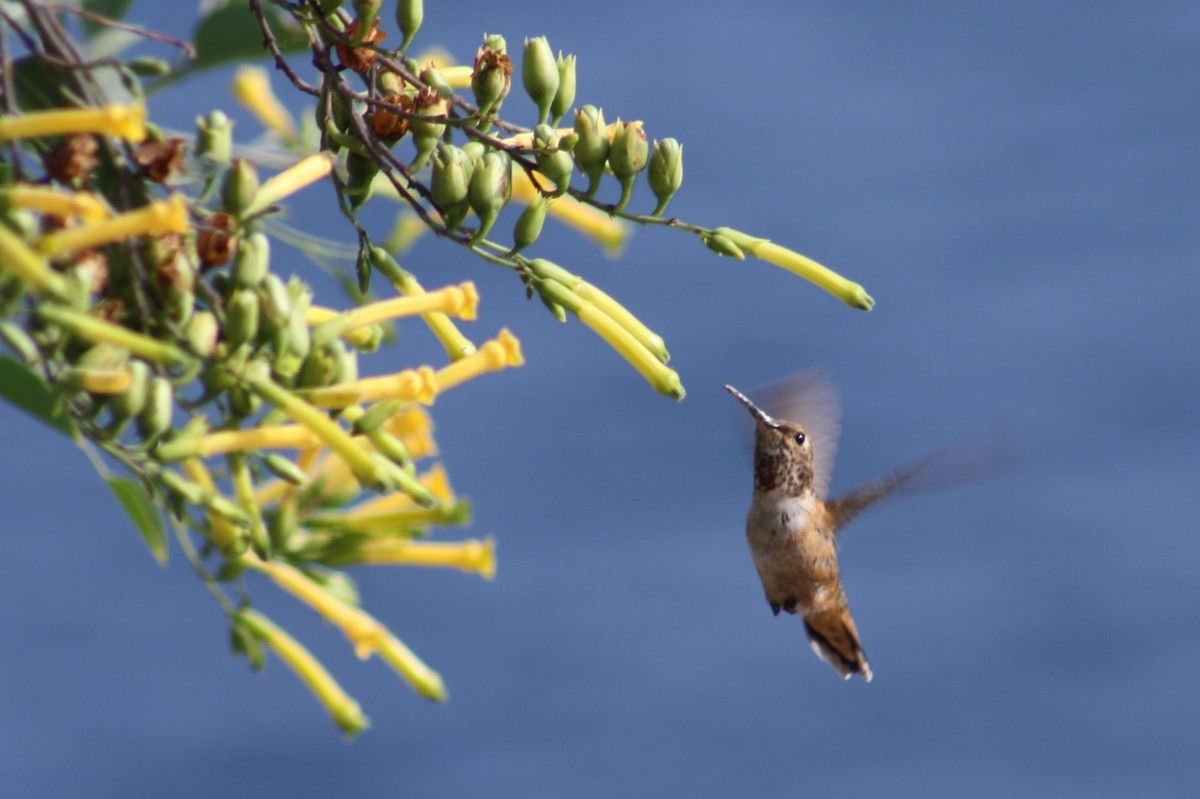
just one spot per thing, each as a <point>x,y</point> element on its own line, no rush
<point>1016,184</point>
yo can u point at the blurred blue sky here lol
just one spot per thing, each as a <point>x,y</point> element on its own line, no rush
<point>1016,185</point>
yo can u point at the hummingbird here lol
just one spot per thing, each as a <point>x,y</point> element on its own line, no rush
<point>792,526</point>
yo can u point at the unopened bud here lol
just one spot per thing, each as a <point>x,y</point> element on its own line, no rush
<point>490,189</point>
<point>156,414</point>
<point>552,160</point>
<point>491,77</point>
<point>450,182</point>
<point>591,149</point>
<point>214,137</point>
<point>131,402</point>
<point>665,173</point>
<point>202,333</point>
<point>564,98</point>
<point>539,74</point>
<point>628,156</point>
<point>241,317</point>
<point>239,186</point>
<point>529,225</point>
<point>409,15</point>
<point>360,171</point>
<point>252,262</point>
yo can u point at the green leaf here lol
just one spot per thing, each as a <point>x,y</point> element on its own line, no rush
<point>231,33</point>
<point>27,391</point>
<point>138,503</point>
<point>113,9</point>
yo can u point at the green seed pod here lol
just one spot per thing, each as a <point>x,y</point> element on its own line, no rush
<point>564,98</point>
<point>252,262</point>
<point>133,400</point>
<point>299,335</point>
<point>553,161</point>
<point>239,186</point>
<point>202,333</point>
<point>319,367</point>
<point>491,78</point>
<point>409,16</point>
<point>628,156</point>
<point>158,410</point>
<point>529,225</point>
<point>539,74</point>
<point>665,173</point>
<point>491,186</point>
<point>360,171</point>
<point>591,149</point>
<point>214,137</point>
<point>241,317</point>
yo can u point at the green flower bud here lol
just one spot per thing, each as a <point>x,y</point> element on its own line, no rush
<point>321,366</point>
<point>214,137</point>
<point>490,189</point>
<point>284,468</point>
<point>360,171</point>
<point>539,74</point>
<point>299,335</point>
<point>275,303</point>
<point>450,182</point>
<point>148,67</point>
<point>409,15</point>
<point>239,186</point>
<point>665,173</point>
<point>426,129</point>
<point>158,410</point>
<point>564,98</point>
<point>529,225</point>
<point>389,83</point>
<point>628,157</point>
<point>553,161</point>
<point>432,77</point>
<point>366,11</point>
<point>252,262</point>
<point>241,317</point>
<point>591,149</point>
<point>202,333</point>
<point>723,245</point>
<point>131,402</point>
<point>19,342</point>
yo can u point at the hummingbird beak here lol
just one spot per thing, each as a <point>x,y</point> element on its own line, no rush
<point>755,411</point>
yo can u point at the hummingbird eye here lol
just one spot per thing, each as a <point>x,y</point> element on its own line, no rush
<point>800,439</point>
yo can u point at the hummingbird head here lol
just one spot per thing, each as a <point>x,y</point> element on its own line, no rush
<point>783,454</point>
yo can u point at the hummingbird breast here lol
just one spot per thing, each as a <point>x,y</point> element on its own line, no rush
<point>793,547</point>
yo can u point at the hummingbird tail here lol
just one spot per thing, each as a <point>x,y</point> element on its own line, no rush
<point>834,638</point>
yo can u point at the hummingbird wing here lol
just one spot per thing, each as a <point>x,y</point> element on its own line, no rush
<point>810,399</point>
<point>992,452</point>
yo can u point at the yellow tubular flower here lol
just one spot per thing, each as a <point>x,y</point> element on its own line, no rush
<point>164,216</point>
<point>461,301</point>
<point>457,345</point>
<point>436,480</point>
<point>252,88</point>
<point>611,233</point>
<point>123,121</point>
<point>502,351</point>
<point>291,180</point>
<point>364,632</point>
<point>82,205</point>
<point>225,534</point>
<point>17,257</point>
<point>477,556</point>
<point>414,385</point>
<point>345,711</point>
<point>459,77</point>
<point>291,436</point>
<point>424,680</point>
<point>664,379</point>
<point>847,291</point>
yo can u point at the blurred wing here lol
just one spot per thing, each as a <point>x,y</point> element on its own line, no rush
<point>810,399</point>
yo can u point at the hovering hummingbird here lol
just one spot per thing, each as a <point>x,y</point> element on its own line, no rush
<point>792,526</point>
